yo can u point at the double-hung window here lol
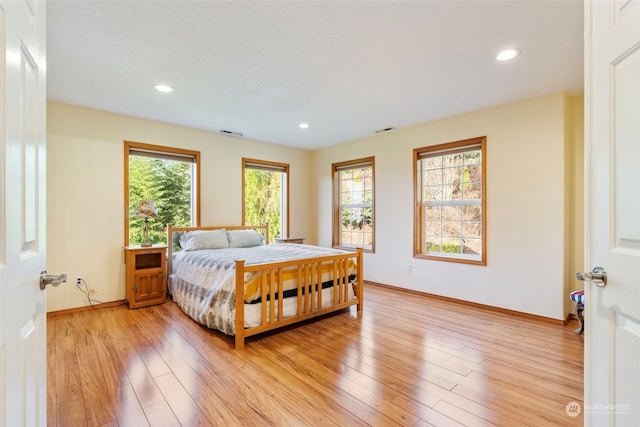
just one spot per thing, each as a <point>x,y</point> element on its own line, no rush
<point>168,176</point>
<point>353,204</point>
<point>450,215</point>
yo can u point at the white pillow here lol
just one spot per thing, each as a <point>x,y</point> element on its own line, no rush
<point>184,238</point>
<point>206,239</point>
<point>244,238</point>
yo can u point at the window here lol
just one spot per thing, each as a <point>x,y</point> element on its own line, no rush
<point>265,195</point>
<point>168,176</point>
<point>450,216</point>
<point>353,195</point>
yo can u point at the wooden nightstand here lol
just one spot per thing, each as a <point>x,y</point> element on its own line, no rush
<point>289,239</point>
<point>146,275</point>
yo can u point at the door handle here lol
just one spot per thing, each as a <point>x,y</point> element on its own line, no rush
<point>598,276</point>
<point>51,279</point>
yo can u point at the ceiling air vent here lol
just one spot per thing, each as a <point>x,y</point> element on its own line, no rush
<point>230,133</point>
<point>384,130</point>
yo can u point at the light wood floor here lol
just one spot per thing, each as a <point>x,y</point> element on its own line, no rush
<point>409,360</point>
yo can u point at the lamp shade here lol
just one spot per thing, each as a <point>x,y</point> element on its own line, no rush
<point>146,209</point>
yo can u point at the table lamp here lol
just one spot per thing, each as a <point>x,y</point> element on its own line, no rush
<point>146,209</point>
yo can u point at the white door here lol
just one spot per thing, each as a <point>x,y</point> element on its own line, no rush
<point>612,137</point>
<point>23,397</point>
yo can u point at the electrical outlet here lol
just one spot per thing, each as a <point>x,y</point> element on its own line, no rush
<point>78,280</point>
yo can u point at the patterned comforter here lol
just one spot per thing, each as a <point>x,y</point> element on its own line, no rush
<point>203,282</point>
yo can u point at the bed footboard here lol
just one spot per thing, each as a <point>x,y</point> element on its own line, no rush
<point>311,300</point>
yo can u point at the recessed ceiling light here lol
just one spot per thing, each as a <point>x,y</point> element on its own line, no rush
<point>507,54</point>
<point>303,125</point>
<point>163,88</point>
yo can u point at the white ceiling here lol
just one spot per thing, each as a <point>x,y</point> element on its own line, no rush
<point>347,68</point>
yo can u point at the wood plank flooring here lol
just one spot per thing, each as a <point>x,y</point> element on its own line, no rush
<point>409,360</point>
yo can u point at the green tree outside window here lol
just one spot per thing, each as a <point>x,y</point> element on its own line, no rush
<point>168,183</point>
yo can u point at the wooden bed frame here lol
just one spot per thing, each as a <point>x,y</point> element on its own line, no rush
<point>307,270</point>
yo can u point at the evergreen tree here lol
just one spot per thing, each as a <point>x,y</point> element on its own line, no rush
<point>168,183</point>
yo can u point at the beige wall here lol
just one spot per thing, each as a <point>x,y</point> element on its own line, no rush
<point>534,200</point>
<point>530,199</point>
<point>85,201</point>
<point>575,173</point>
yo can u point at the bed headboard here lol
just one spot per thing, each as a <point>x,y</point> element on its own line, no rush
<point>174,233</point>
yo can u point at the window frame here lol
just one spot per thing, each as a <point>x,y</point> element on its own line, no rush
<point>470,144</point>
<point>160,151</point>
<point>336,200</point>
<point>274,167</point>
